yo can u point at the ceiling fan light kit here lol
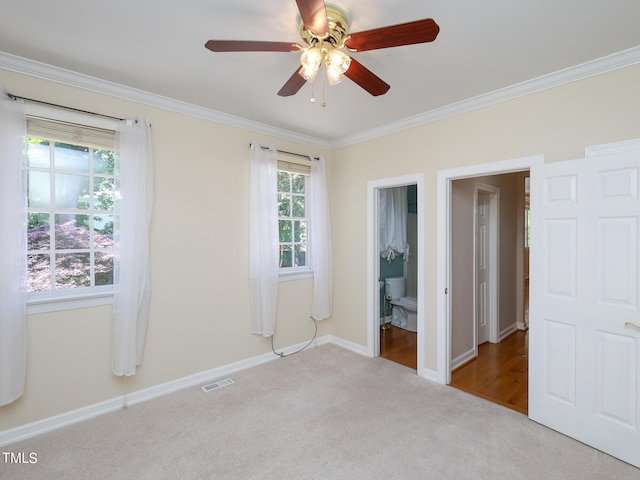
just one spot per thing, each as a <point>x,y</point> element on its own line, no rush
<point>325,31</point>
<point>334,61</point>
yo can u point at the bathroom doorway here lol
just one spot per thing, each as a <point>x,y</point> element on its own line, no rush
<point>398,274</point>
<point>397,339</point>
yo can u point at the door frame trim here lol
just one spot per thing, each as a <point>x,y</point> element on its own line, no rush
<point>443,233</point>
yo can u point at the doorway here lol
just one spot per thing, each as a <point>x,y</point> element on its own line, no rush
<point>375,282</point>
<point>447,356</point>
<point>487,246</point>
<point>398,273</point>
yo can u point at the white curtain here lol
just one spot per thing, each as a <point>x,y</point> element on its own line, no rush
<point>320,240</point>
<point>13,259</point>
<point>134,200</point>
<point>263,239</point>
<point>393,223</point>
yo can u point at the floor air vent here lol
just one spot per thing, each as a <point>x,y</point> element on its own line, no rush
<point>215,385</point>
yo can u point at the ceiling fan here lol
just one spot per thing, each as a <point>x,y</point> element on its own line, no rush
<point>325,31</point>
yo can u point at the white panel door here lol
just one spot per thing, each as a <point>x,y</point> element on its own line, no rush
<point>584,358</point>
<point>483,271</point>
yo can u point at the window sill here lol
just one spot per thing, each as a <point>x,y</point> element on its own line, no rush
<point>296,275</point>
<point>55,303</point>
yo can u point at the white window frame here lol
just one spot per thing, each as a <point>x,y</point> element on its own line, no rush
<point>43,302</point>
<point>306,271</point>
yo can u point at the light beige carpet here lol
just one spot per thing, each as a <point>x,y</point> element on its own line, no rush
<point>325,413</point>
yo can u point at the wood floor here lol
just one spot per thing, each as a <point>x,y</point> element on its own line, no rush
<point>499,374</point>
<point>400,346</point>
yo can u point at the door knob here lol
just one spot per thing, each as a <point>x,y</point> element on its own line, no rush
<point>631,324</point>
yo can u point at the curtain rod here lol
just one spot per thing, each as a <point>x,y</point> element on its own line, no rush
<point>289,153</point>
<point>16,97</point>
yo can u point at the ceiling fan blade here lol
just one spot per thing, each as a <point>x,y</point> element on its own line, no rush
<point>250,46</point>
<point>293,85</point>
<point>314,16</point>
<point>420,31</point>
<point>366,79</point>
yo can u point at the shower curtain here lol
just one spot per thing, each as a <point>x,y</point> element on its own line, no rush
<point>393,223</point>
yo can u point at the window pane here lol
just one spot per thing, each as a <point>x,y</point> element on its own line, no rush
<point>301,255</point>
<point>64,181</point>
<point>39,189</point>
<point>103,162</point>
<point>284,206</point>
<point>73,270</point>
<point>38,154</point>
<point>72,231</point>
<point>300,231</point>
<point>103,268</point>
<point>103,231</point>
<point>298,206</point>
<point>71,157</point>
<point>38,231</point>
<point>285,228</point>
<point>285,256</point>
<point>284,182</point>
<point>39,273</point>
<point>103,193</point>
<point>72,191</point>
<point>297,185</point>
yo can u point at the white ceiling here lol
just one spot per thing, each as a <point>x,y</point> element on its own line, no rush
<point>158,46</point>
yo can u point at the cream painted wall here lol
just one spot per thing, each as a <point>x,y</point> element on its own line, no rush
<point>199,310</point>
<point>199,268</point>
<point>558,122</point>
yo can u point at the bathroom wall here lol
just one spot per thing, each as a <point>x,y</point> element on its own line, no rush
<point>394,268</point>
<point>412,263</point>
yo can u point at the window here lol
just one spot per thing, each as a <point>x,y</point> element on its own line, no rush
<point>293,221</point>
<point>70,189</point>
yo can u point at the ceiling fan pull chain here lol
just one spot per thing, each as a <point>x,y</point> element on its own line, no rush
<point>324,68</point>
<point>313,97</point>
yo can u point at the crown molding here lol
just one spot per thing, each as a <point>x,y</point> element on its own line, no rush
<point>599,66</point>
<point>616,61</point>
<point>44,71</point>
<point>611,148</point>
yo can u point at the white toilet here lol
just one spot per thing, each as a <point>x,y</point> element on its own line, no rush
<point>405,309</point>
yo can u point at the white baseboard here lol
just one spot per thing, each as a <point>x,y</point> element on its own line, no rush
<point>49,424</point>
<point>429,374</point>
<point>341,342</point>
<point>508,331</point>
<point>463,358</point>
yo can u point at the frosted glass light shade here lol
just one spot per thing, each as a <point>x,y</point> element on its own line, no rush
<point>338,60</point>
<point>310,61</point>
<point>334,76</point>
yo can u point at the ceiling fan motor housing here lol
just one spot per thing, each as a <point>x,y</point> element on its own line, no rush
<point>338,28</point>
